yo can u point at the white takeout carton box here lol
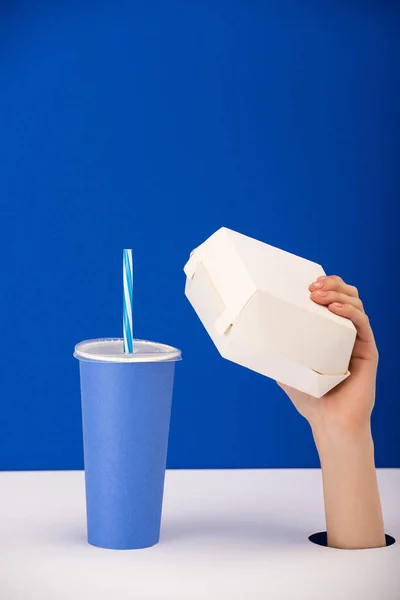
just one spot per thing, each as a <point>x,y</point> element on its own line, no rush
<point>254,302</point>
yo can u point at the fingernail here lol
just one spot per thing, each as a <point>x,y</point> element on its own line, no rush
<point>318,284</point>
<point>338,304</point>
<point>321,292</point>
<point>322,277</point>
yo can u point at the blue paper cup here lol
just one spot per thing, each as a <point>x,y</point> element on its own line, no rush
<point>126,407</point>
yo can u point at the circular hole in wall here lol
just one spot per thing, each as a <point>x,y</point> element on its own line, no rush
<point>321,539</point>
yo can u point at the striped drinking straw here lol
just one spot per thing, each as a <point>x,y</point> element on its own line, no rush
<point>128,298</point>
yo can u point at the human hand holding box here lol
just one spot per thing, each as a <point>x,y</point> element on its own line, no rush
<point>253,300</point>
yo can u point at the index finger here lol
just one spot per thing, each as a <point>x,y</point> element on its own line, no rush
<point>360,320</point>
<point>334,283</point>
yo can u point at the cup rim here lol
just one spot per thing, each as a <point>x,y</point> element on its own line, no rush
<point>146,351</point>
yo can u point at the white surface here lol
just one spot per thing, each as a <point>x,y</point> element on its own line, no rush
<point>254,302</point>
<point>112,350</point>
<point>234,535</point>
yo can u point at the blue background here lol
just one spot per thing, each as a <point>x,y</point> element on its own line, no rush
<point>151,124</point>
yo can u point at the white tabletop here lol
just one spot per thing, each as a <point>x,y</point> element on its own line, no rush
<point>226,535</point>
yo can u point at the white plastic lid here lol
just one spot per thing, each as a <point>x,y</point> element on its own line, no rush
<point>112,350</point>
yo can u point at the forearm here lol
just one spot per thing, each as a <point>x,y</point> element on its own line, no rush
<point>352,504</point>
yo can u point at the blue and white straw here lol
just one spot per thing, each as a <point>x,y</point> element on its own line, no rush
<point>128,300</point>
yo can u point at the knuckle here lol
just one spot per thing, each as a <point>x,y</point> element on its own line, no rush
<point>346,309</point>
<point>335,297</point>
<point>374,355</point>
<point>359,304</point>
<point>351,310</point>
<point>354,290</point>
<point>332,283</point>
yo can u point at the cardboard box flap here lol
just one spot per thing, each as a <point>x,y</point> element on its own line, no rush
<point>231,311</point>
<point>191,266</point>
<point>227,274</point>
<point>228,317</point>
<point>205,301</point>
<point>324,383</point>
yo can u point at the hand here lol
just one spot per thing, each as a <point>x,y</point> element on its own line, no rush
<point>340,422</point>
<point>348,406</point>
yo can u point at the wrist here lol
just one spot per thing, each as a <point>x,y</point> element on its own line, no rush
<point>341,440</point>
